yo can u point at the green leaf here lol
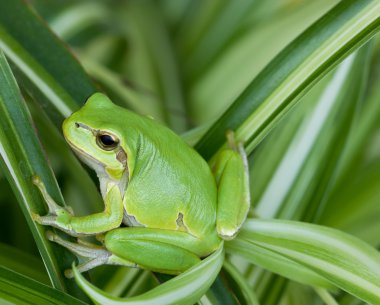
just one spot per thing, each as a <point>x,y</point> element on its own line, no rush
<point>74,19</point>
<point>132,98</point>
<point>278,87</point>
<point>274,262</point>
<point>49,71</point>
<point>22,263</point>
<point>220,293</point>
<point>242,283</point>
<point>367,123</point>
<point>21,290</point>
<point>297,162</point>
<point>250,52</point>
<point>342,259</point>
<point>225,22</point>
<point>312,155</point>
<point>186,288</point>
<point>153,60</point>
<point>355,207</point>
<point>21,158</point>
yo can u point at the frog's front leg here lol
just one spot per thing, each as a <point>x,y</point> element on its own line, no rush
<point>53,207</point>
<point>230,168</point>
<point>96,223</point>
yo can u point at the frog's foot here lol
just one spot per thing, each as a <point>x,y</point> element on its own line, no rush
<point>92,263</point>
<point>236,146</point>
<point>54,208</point>
<point>57,216</point>
<point>230,168</point>
<point>44,220</point>
<point>98,261</point>
<point>231,140</point>
<point>84,249</point>
<point>62,221</point>
<point>96,255</point>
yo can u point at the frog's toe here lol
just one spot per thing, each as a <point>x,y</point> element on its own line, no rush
<point>231,140</point>
<point>227,233</point>
<point>69,273</point>
<point>37,181</point>
<point>50,235</point>
<point>70,210</point>
<point>49,220</point>
<point>36,217</point>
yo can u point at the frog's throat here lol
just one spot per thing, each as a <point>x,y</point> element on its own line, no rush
<point>101,171</point>
<point>93,163</point>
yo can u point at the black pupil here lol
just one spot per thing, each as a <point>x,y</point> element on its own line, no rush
<point>107,140</point>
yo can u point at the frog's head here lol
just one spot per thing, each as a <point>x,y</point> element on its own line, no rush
<point>95,137</point>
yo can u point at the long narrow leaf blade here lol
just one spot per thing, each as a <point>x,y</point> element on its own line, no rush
<point>21,290</point>
<point>21,158</point>
<point>243,285</point>
<point>186,288</point>
<point>344,260</point>
<point>312,155</point>
<point>51,71</point>
<point>278,87</point>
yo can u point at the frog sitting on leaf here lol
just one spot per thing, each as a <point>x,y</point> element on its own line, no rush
<point>175,208</point>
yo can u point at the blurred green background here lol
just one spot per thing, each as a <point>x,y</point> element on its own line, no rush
<point>184,62</point>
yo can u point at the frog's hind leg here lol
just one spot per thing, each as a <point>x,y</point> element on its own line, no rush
<point>85,250</point>
<point>95,255</point>
<point>230,168</point>
<point>160,250</point>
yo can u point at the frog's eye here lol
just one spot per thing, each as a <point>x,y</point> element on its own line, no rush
<point>107,141</point>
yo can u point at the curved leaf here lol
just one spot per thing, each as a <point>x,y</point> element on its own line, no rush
<point>186,288</point>
<point>21,290</point>
<point>277,88</point>
<point>342,259</point>
<point>78,17</point>
<point>275,262</point>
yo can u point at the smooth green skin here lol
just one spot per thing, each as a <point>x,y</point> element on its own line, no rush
<point>176,207</point>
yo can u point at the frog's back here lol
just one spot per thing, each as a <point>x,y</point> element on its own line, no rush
<point>171,186</point>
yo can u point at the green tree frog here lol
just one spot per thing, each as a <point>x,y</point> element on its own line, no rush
<point>165,207</point>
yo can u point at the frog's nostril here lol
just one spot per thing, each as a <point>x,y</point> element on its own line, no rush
<point>77,125</point>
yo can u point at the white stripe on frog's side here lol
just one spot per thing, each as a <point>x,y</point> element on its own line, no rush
<point>130,220</point>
